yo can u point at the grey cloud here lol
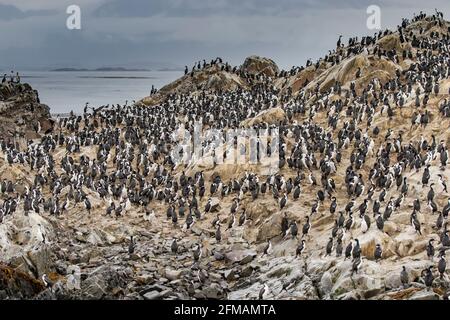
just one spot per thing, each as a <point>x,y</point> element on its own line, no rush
<point>160,33</point>
<point>10,12</point>
<point>195,8</point>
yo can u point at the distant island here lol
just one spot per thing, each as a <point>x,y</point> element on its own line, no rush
<point>171,69</point>
<point>98,69</point>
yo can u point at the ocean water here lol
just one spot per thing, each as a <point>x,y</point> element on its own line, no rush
<point>65,91</point>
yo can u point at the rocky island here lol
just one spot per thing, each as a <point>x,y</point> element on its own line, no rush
<point>94,206</point>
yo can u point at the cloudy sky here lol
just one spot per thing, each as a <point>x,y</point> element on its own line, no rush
<point>173,33</point>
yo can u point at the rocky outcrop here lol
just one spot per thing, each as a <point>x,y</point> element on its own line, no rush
<point>260,65</point>
<point>211,78</point>
<point>21,113</point>
<point>17,284</point>
<point>217,77</point>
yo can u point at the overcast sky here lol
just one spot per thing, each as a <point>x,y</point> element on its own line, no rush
<point>173,33</point>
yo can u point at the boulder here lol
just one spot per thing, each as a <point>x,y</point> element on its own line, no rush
<point>172,274</point>
<point>258,65</point>
<point>154,295</point>
<point>18,284</point>
<point>241,256</point>
<point>270,116</point>
<point>424,295</point>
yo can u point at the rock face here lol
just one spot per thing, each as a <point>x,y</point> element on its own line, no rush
<point>21,113</point>
<point>257,65</point>
<point>17,284</point>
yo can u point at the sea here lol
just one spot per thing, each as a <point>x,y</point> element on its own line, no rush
<point>65,91</point>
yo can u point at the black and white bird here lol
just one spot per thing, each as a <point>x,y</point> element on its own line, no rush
<point>443,183</point>
<point>329,247</point>
<point>174,246</point>
<point>216,221</point>
<point>350,222</point>
<point>131,246</point>
<point>365,223</point>
<point>416,205</point>
<point>293,229</point>
<point>340,220</point>
<point>234,206</point>
<point>378,252</point>
<point>430,249</point>
<point>357,262</point>
<point>197,252</point>
<point>404,278</point>
<point>446,209</point>
<point>428,277</point>
<point>380,222</point>
<point>300,248</point>
<point>268,248</point>
<point>47,282</point>
<point>242,218</point>
<point>348,250</point>
<point>306,227</point>
<point>208,205</point>
<point>284,224</point>
<point>87,205</point>
<point>356,252</point>
<point>431,193</point>
<point>415,223</point>
<point>333,205</point>
<point>218,234</point>
<point>283,201</point>
<point>339,248</point>
<point>232,221</point>
<point>442,264</point>
<point>263,292</point>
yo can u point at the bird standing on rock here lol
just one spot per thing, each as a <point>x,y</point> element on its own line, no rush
<point>198,252</point>
<point>356,252</point>
<point>348,250</point>
<point>131,246</point>
<point>174,246</point>
<point>442,264</point>
<point>283,201</point>
<point>300,248</point>
<point>47,282</point>
<point>339,248</point>
<point>263,292</point>
<point>430,249</point>
<point>415,223</point>
<point>268,248</point>
<point>284,224</point>
<point>218,234</point>
<point>294,229</point>
<point>333,205</point>
<point>404,278</point>
<point>357,262</point>
<point>306,227</point>
<point>378,252</point>
<point>428,277</point>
